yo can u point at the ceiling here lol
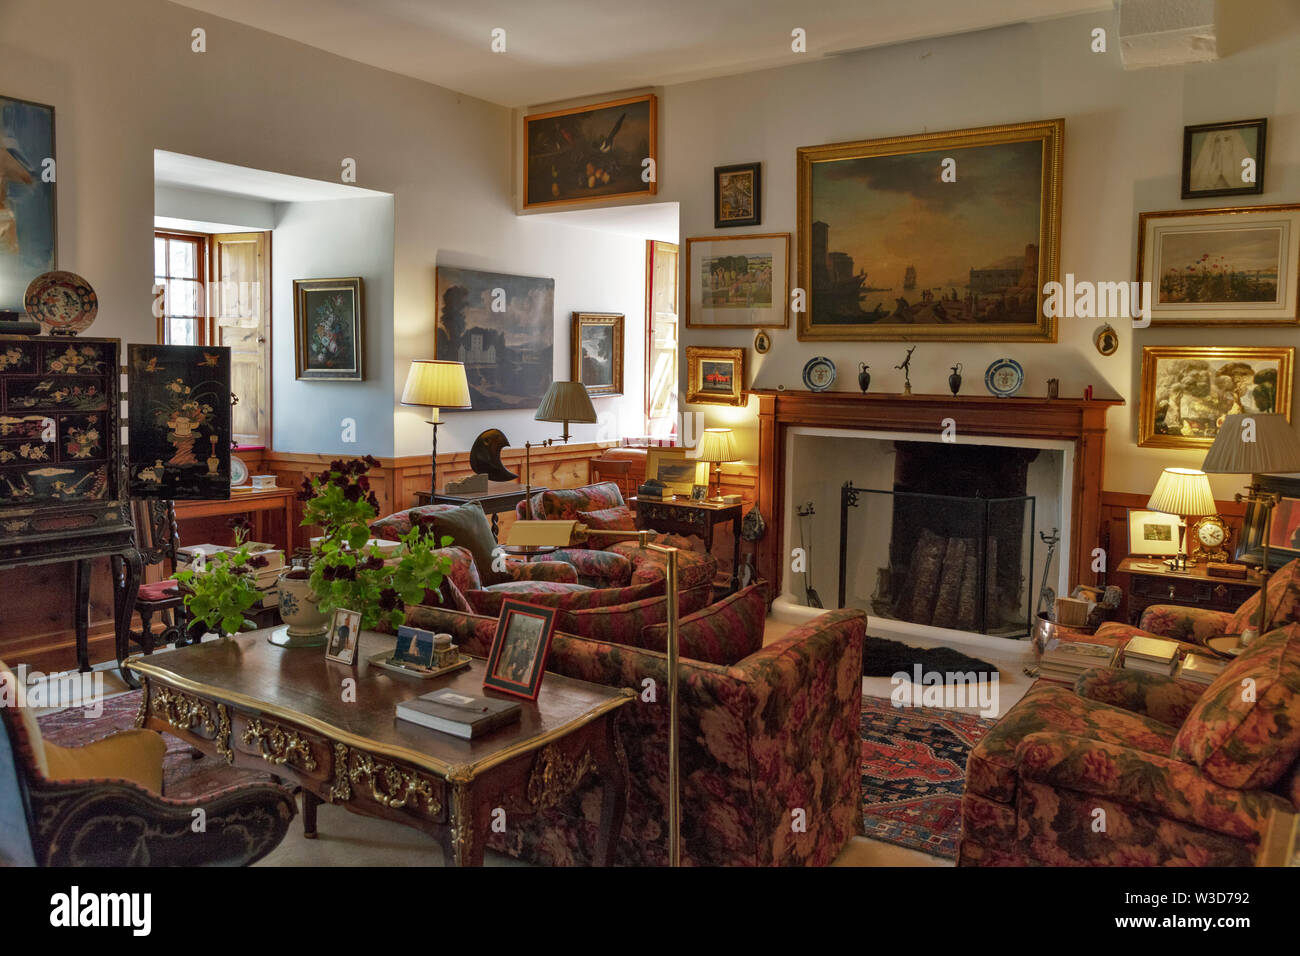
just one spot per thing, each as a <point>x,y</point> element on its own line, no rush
<point>563,49</point>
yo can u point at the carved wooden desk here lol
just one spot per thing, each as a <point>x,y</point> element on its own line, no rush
<point>285,710</point>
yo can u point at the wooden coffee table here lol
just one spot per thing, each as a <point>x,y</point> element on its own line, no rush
<point>285,710</point>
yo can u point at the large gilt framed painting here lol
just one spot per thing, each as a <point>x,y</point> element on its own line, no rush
<point>591,152</point>
<point>944,237</point>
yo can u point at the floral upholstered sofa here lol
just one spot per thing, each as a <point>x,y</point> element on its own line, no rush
<point>763,735</point>
<point>1134,769</point>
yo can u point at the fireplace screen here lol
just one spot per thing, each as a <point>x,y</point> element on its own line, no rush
<point>949,561</point>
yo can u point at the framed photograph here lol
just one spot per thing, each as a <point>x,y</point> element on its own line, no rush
<point>591,152</point>
<point>1152,534</point>
<point>596,344</point>
<point>699,492</point>
<point>1284,524</point>
<point>679,473</point>
<point>28,208</point>
<point>344,634</point>
<point>1224,159</point>
<point>503,328</point>
<point>1238,266</point>
<point>715,376</point>
<point>1186,391</point>
<point>414,647</point>
<point>945,237</point>
<point>515,662</point>
<point>737,195</point>
<point>329,329</point>
<point>738,282</point>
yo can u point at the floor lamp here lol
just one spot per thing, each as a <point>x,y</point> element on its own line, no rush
<point>437,385</point>
<point>563,402</point>
<point>1255,445</point>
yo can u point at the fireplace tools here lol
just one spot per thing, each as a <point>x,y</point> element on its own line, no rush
<point>1047,593</point>
<point>810,593</point>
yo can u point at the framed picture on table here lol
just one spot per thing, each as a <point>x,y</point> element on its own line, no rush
<point>516,662</point>
<point>1152,534</point>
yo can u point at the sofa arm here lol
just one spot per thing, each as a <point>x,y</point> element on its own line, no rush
<point>1193,625</point>
<point>1159,785</point>
<point>559,572</point>
<point>1152,695</point>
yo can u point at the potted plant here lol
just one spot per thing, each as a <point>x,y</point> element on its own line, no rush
<point>221,592</point>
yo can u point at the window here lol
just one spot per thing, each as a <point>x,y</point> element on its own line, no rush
<point>661,339</point>
<point>180,273</point>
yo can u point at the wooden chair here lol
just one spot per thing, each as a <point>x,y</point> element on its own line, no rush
<point>617,471</point>
<point>157,537</point>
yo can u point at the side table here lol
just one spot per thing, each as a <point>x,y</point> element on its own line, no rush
<point>497,499</point>
<point>1190,588</point>
<point>685,517</point>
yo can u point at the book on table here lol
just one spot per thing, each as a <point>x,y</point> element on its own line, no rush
<point>461,715</point>
<point>1066,660</point>
<point>1151,655</point>
<point>1200,669</point>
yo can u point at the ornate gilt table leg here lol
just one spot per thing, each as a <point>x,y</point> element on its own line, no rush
<point>611,765</point>
<point>465,837</point>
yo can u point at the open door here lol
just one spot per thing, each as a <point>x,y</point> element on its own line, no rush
<point>241,314</point>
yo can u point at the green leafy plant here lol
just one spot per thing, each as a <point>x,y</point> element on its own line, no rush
<point>223,592</point>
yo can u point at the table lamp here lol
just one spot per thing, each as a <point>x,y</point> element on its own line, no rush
<point>1182,492</point>
<point>1255,445</point>
<point>563,402</point>
<point>438,385</point>
<point>716,446</point>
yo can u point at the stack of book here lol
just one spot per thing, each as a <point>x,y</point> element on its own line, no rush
<point>266,578</point>
<point>462,715</point>
<point>1151,655</point>
<point>1200,669</point>
<point>1066,660</point>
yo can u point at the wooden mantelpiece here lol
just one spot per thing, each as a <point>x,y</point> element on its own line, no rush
<point>1082,421</point>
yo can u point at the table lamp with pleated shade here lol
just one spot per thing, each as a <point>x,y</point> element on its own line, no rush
<point>1182,492</point>
<point>718,445</point>
<point>437,385</point>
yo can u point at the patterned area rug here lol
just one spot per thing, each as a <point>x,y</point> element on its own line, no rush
<point>913,772</point>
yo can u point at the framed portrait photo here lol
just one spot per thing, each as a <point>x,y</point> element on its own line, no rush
<point>738,282</point>
<point>590,152</point>
<point>1238,266</point>
<point>737,195</point>
<point>344,635</point>
<point>329,329</point>
<point>1186,391</point>
<point>1224,159</point>
<point>596,344</point>
<point>1152,534</point>
<point>518,655</point>
<point>679,473</point>
<point>715,375</point>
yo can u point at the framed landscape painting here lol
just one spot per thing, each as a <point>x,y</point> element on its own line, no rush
<point>27,197</point>
<point>1237,266</point>
<point>591,152</point>
<point>942,236</point>
<point>715,376</point>
<point>329,329</point>
<point>738,282</point>
<point>1187,391</point>
<point>502,327</point>
<point>597,352</point>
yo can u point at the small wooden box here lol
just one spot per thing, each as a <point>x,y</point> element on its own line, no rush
<point>1222,570</point>
<point>1072,612</point>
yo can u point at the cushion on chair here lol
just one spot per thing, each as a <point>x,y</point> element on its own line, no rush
<point>721,633</point>
<point>134,755</point>
<point>1244,732</point>
<point>158,592</point>
<point>619,624</point>
<point>468,527</point>
<point>609,519</point>
<point>1283,601</point>
<point>564,504</point>
<point>395,526</point>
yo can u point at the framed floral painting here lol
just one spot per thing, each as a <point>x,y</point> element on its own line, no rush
<point>329,329</point>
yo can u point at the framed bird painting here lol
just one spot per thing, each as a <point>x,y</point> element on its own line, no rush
<point>600,151</point>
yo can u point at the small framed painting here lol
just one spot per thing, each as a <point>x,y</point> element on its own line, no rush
<point>329,329</point>
<point>737,195</point>
<point>601,151</point>
<point>597,352</point>
<point>738,282</point>
<point>518,655</point>
<point>1283,519</point>
<point>715,376</point>
<point>1152,534</point>
<point>679,474</point>
<point>28,208</point>
<point>1238,266</point>
<point>1224,159</point>
<point>345,632</point>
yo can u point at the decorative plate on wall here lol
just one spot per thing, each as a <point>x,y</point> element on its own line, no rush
<point>819,374</point>
<point>61,301</point>
<point>238,471</point>
<point>1004,377</point>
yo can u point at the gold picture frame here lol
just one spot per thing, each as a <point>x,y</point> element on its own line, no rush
<point>715,375</point>
<point>1186,390</point>
<point>329,329</point>
<point>679,473</point>
<point>703,253</point>
<point>917,171</point>
<point>594,333</point>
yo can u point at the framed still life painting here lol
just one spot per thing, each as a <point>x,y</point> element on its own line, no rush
<point>1187,391</point>
<point>28,210</point>
<point>597,352</point>
<point>945,237</point>
<point>329,329</point>
<point>502,327</point>
<point>179,421</point>
<point>738,282</point>
<point>1238,266</point>
<point>737,195</point>
<point>715,376</point>
<point>1224,159</point>
<point>591,152</point>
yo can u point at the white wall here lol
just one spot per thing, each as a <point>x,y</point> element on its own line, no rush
<point>196,205</point>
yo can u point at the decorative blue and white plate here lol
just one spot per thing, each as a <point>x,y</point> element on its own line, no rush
<point>1004,377</point>
<point>819,374</point>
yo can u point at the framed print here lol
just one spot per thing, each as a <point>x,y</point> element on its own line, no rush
<point>329,329</point>
<point>518,655</point>
<point>1237,266</point>
<point>699,492</point>
<point>28,209</point>
<point>414,647</point>
<point>1186,392</point>
<point>678,473</point>
<point>715,376</point>
<point>946,237</point>
<point>596,344</point>
<point>737,195</point>
<point>1284,524</point>
<point>1152,534</point>
<point>345,632</point>
<point>738,282</point>
<point>591,152</point>
<point>1224,159</point>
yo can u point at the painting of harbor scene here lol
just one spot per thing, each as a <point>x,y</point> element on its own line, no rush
<point>947,236</point>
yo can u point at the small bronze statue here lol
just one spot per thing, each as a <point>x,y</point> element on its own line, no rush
<point>907,371</point>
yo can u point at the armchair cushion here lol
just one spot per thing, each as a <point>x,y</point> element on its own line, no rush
<point>599,569</point>
<point>721,633</point>
<point>619,624</point>
<point>1194,625</point>
<point>551,572</point>
<point>565,503</point>
<point>609,519</point>
<point>469,528</point>
<point>1283,601</point>
<point>1244,732</point>
<point>1152,695</point>
<point>133,755</point>
<point>1118,634</point>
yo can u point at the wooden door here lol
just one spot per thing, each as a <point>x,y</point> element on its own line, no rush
<point>661,339</point>
<point>241,317</point>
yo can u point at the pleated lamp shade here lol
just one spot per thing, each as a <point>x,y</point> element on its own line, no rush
<point>436,384</point>
<point>1183,491</point>
<point>718,444</point>
<point>1254,445</point>
<point>566,402</point>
